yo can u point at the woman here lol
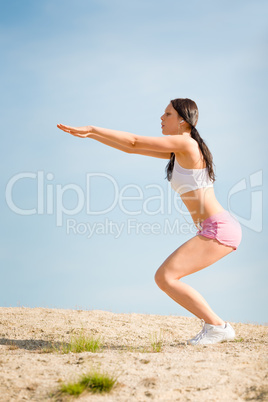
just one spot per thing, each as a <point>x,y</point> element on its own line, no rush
<point>190,172</point>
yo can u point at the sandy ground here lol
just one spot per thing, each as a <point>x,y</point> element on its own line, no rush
<point>233,371</point>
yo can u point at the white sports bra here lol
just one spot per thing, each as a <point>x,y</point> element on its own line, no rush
<point>184,180</point>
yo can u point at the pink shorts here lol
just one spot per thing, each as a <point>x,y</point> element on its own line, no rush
<point>222,227</point>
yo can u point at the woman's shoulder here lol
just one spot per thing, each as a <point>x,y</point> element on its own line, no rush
<point>192,159</point>
<point>192,144</point>
<point>192,149</point>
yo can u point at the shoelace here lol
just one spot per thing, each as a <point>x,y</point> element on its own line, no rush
<point>201,333</point>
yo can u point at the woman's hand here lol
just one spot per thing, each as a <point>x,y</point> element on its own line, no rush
<point>82,132</point>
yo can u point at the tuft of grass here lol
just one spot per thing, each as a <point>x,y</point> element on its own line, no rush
<point>95,382</point>
<point>157,342</point>
<point>81,343</point>
<point>239,339</point>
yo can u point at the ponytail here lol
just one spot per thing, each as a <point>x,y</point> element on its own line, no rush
<point>169,167</point>
<point>205,151</point>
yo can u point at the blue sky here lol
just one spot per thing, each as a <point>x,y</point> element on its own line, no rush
<point>117,64</point>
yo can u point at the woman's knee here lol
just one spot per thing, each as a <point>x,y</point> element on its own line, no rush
<point>162,279</point>
<point>167,274</point>
<point>158,278</point>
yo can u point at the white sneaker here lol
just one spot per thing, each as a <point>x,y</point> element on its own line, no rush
<point>213,334</point>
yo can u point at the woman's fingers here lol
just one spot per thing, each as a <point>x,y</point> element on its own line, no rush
<point>62,126</point>
<point>64,129</point>
<point>79,135</point>
<point>67,129</point>
<point>79,130</point>
<point>72,130</point>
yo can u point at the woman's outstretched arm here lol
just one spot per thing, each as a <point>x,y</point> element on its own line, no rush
<point>134,142</point>
<point>162,155</point>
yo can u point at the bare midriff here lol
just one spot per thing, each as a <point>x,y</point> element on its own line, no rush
<point>201,204</point>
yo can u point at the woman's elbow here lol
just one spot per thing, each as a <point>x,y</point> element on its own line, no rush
<point>134,143</point>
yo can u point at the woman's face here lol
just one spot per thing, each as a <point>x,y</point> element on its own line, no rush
<point>170,121</point>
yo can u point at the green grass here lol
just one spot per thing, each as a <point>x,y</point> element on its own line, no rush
<point>80,343</point>
<point>95,382</point>
<point>157,342</point>
<point>239,339</point>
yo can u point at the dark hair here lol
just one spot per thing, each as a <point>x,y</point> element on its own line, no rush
<point>188,110</point>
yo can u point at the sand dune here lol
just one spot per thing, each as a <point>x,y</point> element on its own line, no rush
<point>233,371</point>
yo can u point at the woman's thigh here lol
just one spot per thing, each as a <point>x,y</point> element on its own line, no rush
<point>192,256</point>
